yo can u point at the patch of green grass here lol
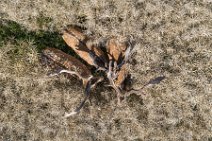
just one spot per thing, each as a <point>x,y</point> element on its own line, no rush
<point>13,32</point>
<point>25,44</point>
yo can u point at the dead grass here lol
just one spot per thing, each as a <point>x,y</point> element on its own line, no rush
<point>172,38</point>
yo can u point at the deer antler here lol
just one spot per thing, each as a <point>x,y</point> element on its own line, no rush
<point>127,54</point>
<point>112,84</point>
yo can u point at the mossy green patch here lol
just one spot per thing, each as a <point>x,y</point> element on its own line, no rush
<point>13,32</point>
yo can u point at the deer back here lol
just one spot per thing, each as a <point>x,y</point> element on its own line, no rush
<point>82,45</point>
<point>116,49</point>
<point>67,61</point>
<point>121,76</point>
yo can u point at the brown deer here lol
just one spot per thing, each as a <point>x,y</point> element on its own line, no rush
<point>113,62</point>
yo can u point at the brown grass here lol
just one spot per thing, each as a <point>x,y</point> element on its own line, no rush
<point>173,38</point>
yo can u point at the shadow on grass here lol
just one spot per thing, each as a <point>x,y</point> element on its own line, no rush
<point>13,32</point>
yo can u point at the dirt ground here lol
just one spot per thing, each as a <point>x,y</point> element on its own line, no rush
<point>173,38</point>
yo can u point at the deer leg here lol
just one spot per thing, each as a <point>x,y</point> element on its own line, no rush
<point>87,94</point>
<point>139,91</point>
<point>97,81</point>
<point>65,71</point>
<point>117,91</point>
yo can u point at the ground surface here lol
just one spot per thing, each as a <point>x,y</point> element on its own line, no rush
<point>173,38</point>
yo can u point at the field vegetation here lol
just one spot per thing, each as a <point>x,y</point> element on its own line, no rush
<point>173,38</point>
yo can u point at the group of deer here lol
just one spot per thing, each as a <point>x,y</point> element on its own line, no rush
<point>110,57</point>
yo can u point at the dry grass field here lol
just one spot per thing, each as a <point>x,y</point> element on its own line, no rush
<point>173,38</point>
